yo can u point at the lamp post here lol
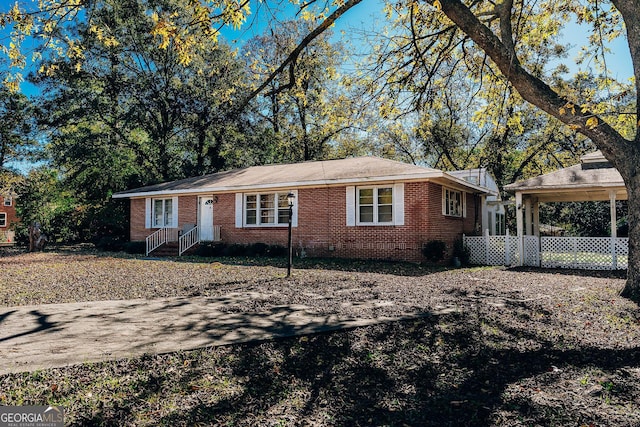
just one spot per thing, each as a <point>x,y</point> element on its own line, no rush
<point>290,198</point>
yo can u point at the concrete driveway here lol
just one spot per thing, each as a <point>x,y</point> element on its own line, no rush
<point>55,335</point>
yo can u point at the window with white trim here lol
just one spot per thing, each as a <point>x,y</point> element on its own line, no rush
<point>162,212</point>
<point>500,224</point>
<point>3,219</point>
<point>375,205</point>
<point>266,209</point>
<point>8,201</point>
<point>452,202</point>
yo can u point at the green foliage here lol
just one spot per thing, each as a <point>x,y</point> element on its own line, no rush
<point>110,243</point>
<point>136,248</point>
<point>434,250</point>
<point>309,115</point>
<point>17,128</point>
<point>43,200</point>
<point>213,249</point>
<point>134,113</point>
<point>461,251</point>
<point>64,216</point>
<point>588,219</point>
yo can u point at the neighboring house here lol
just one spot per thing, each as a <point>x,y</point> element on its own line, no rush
<point>493,216</point>
<point>8,218</point>
<point>364,207</point>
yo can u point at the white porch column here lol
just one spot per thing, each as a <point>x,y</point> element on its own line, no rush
<point>614,228</point>
<point>536,217</point>
<point>485,213</point>
<point>519,228</point>
<point>528,217</point>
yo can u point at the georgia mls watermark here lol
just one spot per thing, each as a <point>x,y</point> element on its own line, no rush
<point>31,416</point>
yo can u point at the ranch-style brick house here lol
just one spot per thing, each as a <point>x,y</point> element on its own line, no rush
<point>362,207</point>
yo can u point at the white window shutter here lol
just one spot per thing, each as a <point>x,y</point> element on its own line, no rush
<point>239,212</point>
<point>464,204</point>
<point>174,219</point>
<point>444,201</point>
<point>147,212</point>
<point>296,203</point>
<point>398,204</point>
<point>351,206</point>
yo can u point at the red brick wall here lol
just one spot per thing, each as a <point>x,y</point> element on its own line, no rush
<point>187,214</point>
<point>322,229</point>
<point>12,217</point>
<point>137,212</point>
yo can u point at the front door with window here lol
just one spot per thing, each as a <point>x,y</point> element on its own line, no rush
<point>205,218</point>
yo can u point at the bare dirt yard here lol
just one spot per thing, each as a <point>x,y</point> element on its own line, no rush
<point>515,347</point>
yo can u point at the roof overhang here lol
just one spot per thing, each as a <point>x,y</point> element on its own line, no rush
<point>575,194</point>
<point>594,179</point>
<point>435,176</point>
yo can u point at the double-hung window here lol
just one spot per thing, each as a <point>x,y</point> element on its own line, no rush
<point>375,205</point>
<point>500,224</point>
<point>162,213</point>
<point>8,201</point>
<point>3,219</point>
<point>452,202</point>
<point>266,209</point>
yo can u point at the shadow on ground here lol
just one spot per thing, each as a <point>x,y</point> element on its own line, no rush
<point>485,365</point>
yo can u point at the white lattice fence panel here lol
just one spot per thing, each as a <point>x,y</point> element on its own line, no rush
<point>477,249</point>
<point>514,256</point>
<point>622,252</point>
<point>496,250</point>
<point>557,251</point>
<point>583,252</point>
<point>593,253</point>
<point>531,251</point>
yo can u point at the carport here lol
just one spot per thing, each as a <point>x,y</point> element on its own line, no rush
<point>593,179</point>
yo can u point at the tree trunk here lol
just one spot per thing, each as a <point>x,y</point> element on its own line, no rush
<point>632,287</point>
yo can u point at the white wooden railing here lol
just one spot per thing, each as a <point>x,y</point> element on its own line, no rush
<point>185,241</point>
<point>160,237</point>
<point>188,240</point>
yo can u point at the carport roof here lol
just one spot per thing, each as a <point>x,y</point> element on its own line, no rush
<point>594,178</point>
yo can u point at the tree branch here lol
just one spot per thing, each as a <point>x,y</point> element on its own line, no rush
<point>290,60</point>
<point>537,92</point>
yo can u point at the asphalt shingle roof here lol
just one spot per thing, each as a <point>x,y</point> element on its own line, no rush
<point>298,174</point>
<point>578,176</point>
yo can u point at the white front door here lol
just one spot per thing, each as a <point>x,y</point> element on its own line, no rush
<point>205,218</point>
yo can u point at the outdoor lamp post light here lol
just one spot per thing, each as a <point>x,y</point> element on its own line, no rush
<point>290,198</point>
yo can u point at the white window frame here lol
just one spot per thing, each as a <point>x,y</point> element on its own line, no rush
<point>446,195</point>
<point>500,224</point>
<point>8,201</point>
<point>376,205</point>
<point>165,223</point>
<point>3,219</point>
<point>276,209</point>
